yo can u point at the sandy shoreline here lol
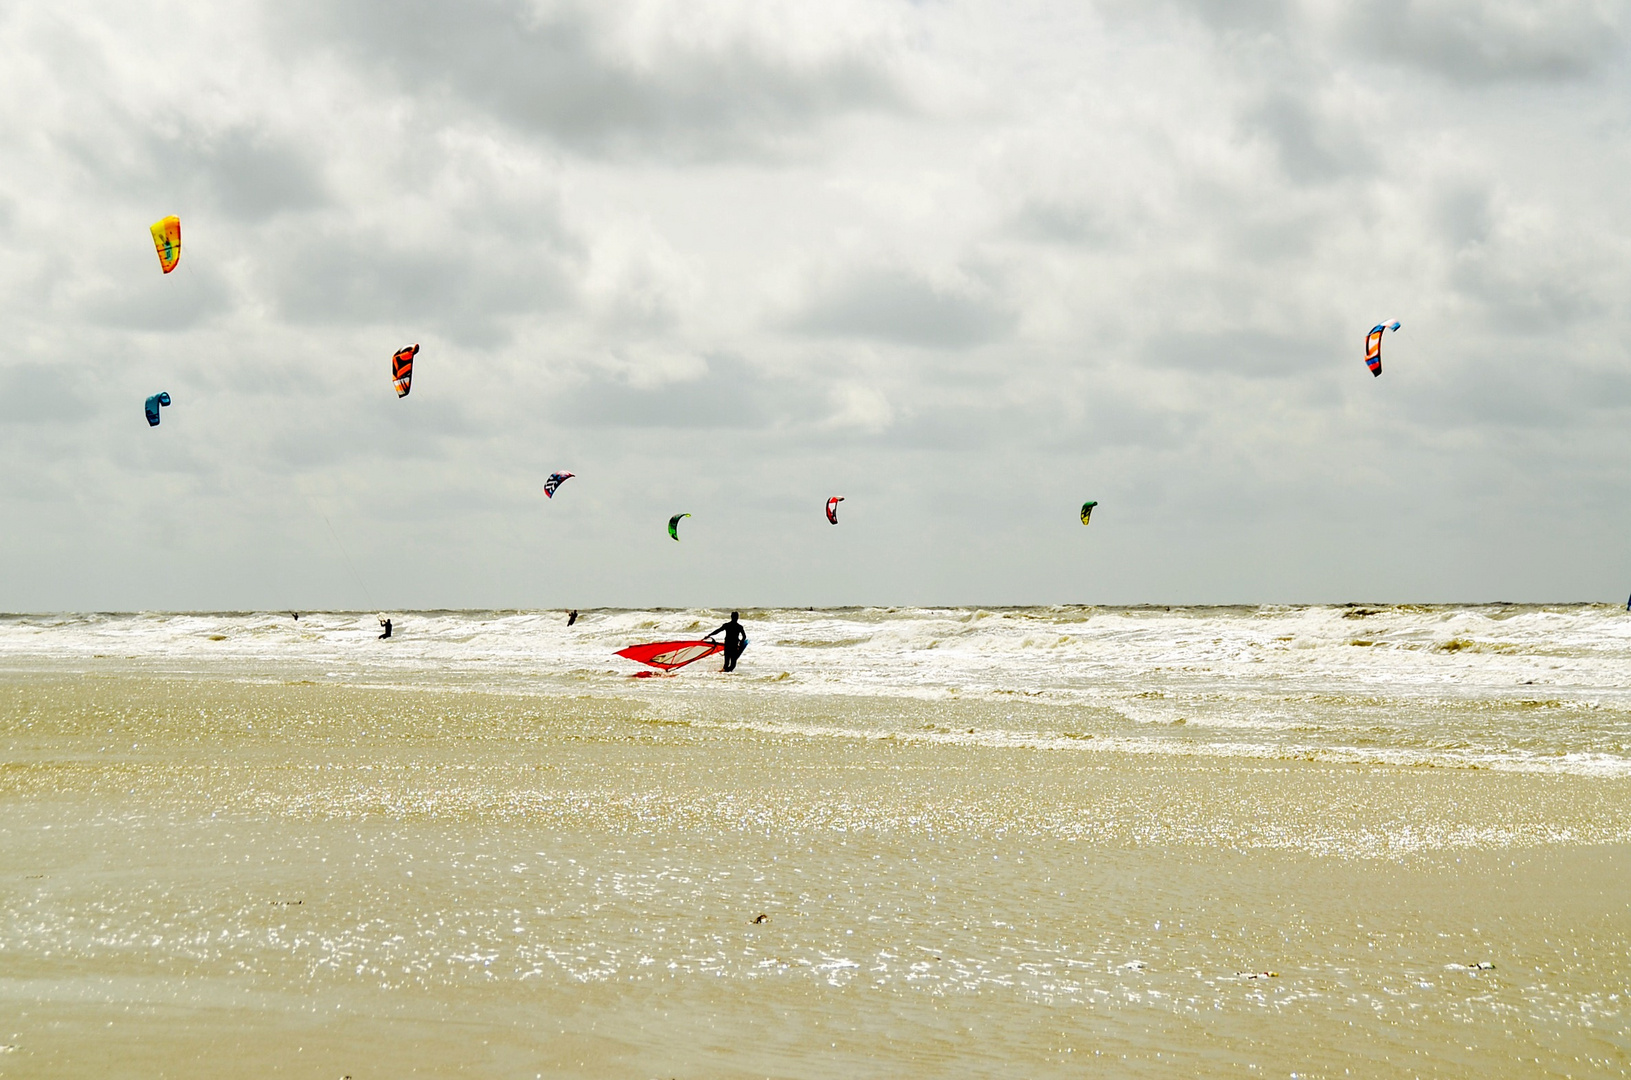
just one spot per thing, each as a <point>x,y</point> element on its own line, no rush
<point>208,875</point>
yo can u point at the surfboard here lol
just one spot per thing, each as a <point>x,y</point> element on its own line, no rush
<point>669,655</point>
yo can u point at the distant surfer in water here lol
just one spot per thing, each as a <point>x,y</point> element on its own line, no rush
<point>736,639</point>
<point>387,624</point>
<point>572,618</point>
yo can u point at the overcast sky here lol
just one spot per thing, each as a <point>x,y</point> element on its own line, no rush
<point>966,264</point>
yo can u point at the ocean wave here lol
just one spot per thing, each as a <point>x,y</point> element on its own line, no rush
<point>1526,687</point>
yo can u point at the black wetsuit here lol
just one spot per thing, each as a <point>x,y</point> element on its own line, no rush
<point>572,618</point>
<point>735,642</point>
<point>387,633</point>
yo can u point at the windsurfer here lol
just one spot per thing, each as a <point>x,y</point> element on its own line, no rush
<point>736,639</point>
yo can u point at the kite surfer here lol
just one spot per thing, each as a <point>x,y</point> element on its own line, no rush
<point>572,618</point>
<point>387,624</point>
<point>736,639</point>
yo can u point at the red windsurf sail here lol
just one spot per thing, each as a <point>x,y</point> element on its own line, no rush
<point>669,655</point>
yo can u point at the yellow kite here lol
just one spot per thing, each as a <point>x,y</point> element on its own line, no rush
<point>167,239</point>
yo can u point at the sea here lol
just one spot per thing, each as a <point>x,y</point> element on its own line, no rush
<point>1340,840</point>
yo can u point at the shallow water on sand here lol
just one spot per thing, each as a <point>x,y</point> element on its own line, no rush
<point>227,846</point>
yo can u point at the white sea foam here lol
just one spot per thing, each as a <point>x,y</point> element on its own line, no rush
<point>1543,688</point>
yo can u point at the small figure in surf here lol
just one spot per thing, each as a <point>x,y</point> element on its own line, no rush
<point>572,618</point>
<point>736,639</point>
<point>387,624</point>
<point>296,615</point>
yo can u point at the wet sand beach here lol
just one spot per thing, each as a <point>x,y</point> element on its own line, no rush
<point>224,871</point>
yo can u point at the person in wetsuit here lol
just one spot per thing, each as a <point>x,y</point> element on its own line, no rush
<point>572,618</point>
<point>387,624</point>
<point>736,639</point>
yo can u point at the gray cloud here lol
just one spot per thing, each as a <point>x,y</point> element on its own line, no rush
<point>1465,41</point>
<point>1310,147</point>
<point>1056,222</point>
<point>904,308</point>
<point>463,284</point>
<point>45,394</point>
<point>1241,14</point>
<point>1480,41</point>
<point>555,70</point>
<point>729,394</point>
<point>1245,352</point>
<point>1526,292</point>
<point>247,173</point>
<point>1465,215</point>
<point>178,302</point>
